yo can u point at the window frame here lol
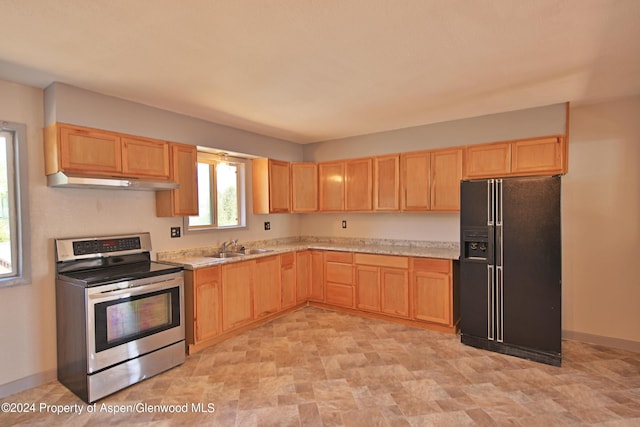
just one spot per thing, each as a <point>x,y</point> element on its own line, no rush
<point>213,159</point>
<point>17,165</point>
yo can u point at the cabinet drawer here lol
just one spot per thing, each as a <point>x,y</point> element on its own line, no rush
<point>339,294</point>
<point>432,264</point>
<point>382,260</point>
<point>208,274</point>
<point>339,273</point>
<point>346,257</point>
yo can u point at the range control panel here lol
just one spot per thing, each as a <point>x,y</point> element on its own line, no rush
<point>94,247</point>
<point>85,247</point>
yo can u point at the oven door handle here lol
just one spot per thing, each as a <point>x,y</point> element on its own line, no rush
<point>112,294</point>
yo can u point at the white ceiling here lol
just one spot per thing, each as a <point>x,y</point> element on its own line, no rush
<point>312,70</point>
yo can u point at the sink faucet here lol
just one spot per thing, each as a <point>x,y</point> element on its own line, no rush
<point>225,245</point>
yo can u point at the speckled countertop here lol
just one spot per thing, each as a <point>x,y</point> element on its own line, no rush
<point>194,258</point>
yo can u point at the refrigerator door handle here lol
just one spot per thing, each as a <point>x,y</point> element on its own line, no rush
<point>498,203</point>
<point>490,303</point>
<point>500,308</point>
<point>499,265</point>
<point>490,201</point>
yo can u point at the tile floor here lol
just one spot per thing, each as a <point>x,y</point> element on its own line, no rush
<point>316,367</point>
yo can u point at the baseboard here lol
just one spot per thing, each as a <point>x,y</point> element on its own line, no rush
<point>27,383</point>
<point>602,340</point>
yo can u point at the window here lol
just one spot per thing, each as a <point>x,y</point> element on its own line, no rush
<point>15,268</point>
<point>220,193</point>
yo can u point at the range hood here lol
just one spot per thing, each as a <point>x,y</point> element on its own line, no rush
<point>62,180</point>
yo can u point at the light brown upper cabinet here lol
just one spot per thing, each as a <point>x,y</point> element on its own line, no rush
<point>271,192</point>
<point>386,183</point>
<point>359,184</point>
<point>182,201</point>
<point>488,160</point>
<point>304,187</point>
<point>346,185</point>
<point>145,157</point>
<point>534,156</point>
<point>446,173</point>
<point>83,150</point>
<point>537,156</point>
<point>331,186</point>
<point>416,181</point>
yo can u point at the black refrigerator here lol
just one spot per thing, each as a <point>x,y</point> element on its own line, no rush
<point>510,267</point>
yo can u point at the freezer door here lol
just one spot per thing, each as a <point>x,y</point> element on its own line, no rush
<point>530,263</point>
<point>477,299</point>
<point>477,273</point>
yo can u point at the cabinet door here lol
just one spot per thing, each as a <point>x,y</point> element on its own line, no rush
<point>386,183</point>
<point>145,158</point>
<point>304,187</point>
<point>537,156</point>
<point>331,186</point>
<point>368,288</point>
<point>303,275</point>
<point>270,186</point>
<point>288,280</point>
<point>317,284</point>
<point>446,173</point>
<point>488,160</point>
<point>266,293</point>
<point>237,294</point>
<point>432,297</point>
<point>184,170</point>
<point>416,175</point>
<point>207,303</point>
<point>359,185</point>
<point>394,286</point>
<point>90,151</point>
<point>279,191</point>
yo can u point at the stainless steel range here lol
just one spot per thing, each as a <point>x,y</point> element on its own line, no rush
<point>119,315</point>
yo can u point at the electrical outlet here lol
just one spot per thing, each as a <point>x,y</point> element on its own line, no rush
<point>344,223</point>
<point>175,232</point>
<point>267,225</point>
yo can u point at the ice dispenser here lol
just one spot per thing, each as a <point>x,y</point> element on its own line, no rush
<point>475,244</point>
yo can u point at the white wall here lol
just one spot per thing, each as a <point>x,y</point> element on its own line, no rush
<point>601,223</point>
<point>27,313</point>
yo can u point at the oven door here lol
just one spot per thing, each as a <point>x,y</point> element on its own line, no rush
<point>132,318</point>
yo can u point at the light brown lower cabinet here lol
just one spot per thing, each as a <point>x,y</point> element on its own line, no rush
<point>303,275</point>
<point>222,300</point>
<point>266,286</point>
<point>394,285</point>
<point>288,280</point>
<point>237,294</point>
<point>202,304</point>
<point>382,284</point>
<point>368,288</point>
<point>339,280</point>
<point>432,290</point>
<point>316,283</point>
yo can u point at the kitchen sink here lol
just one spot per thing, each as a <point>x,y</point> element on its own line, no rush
<point>224,255</point>
<point>257,251</point>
